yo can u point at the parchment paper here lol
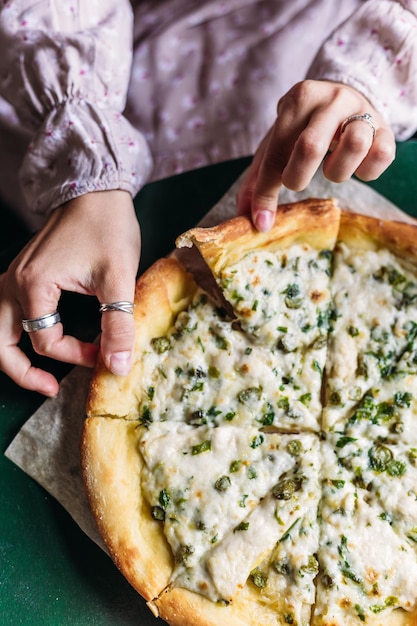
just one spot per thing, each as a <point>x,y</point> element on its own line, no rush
<point>47,446</point>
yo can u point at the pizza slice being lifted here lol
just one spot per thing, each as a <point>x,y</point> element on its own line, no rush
<point>278,284</point>
<point>214,471</point>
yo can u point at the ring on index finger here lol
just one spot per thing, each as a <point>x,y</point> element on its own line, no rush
<point>39,323</point>
<point>359,117</point>
<point>125,306</point>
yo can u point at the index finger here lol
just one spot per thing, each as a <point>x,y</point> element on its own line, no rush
<point>264,198</point>
<point>278,149</point>
<point>13,361</point>
<point>42,322</point>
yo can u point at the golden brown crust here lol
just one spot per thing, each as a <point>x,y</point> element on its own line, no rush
<point>312,221</point>
<point>111,465</point>
<point>160,293</point>
<point>180,607</point>
<point>364,232</point>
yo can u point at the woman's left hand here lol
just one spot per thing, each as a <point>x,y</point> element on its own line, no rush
<point>306,132</point>
<point>89,245</point>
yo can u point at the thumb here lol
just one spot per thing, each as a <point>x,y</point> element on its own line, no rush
<point>118,330</point>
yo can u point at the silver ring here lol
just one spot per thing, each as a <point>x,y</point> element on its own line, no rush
<point>363,117</point>
<point>122,305</point>
<point>39,323</point>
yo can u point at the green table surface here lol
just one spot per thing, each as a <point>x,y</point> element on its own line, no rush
<point>51,574</point>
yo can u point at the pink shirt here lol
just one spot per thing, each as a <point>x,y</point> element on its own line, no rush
<point>108,94</point>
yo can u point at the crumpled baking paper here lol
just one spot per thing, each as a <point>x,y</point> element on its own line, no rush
<point>47,446</point>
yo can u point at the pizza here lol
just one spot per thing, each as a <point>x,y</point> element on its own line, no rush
<point>259,463</point>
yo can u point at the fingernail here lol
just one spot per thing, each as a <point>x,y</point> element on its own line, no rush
<point>120,363</point>
<point>264,221</point>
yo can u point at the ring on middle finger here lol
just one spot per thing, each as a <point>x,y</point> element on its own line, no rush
<point>125,306</point>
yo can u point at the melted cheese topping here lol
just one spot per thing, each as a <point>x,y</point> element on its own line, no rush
<point>290,291</point>
<point>213,478</point>
<point>206,371</point>
<point>282,513</point>
<point>367,553</point>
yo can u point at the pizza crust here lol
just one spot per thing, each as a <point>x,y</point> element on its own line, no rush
<point>226,243</point>
<point>367,233</point>
<point>111,465</point>
<point>179,607</point>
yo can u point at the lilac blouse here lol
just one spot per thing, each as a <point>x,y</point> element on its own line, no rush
<point>111,94</point>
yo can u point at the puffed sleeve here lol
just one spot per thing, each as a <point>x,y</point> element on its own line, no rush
<point>375,51</point>
<point>65,67</point>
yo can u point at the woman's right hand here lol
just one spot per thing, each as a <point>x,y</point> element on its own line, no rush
<point>306,133</point>
<point>90,245</point>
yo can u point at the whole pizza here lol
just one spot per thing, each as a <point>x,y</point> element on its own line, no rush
<point>259,464</point>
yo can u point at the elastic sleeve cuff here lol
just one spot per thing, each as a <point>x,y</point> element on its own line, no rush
<point>82,148</point>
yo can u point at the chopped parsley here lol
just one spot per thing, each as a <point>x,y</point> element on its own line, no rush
<point>241,526</point>
<point>204,446</point>
<point>257,441</point>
